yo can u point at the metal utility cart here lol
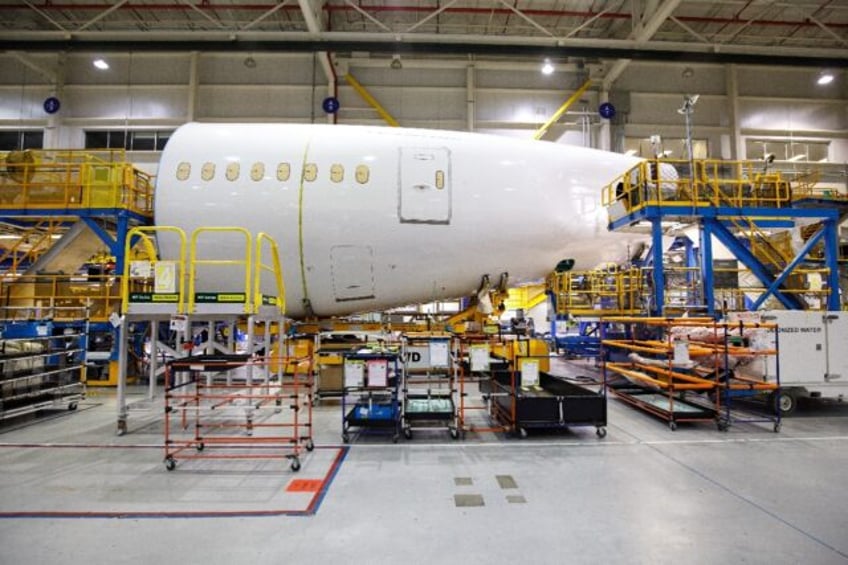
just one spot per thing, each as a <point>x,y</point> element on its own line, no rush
<point>429,384</point>
<point>683,369</point>
<point>531,399</point>
<point>41,367</point>
<point>244,407</point>
<point>475,361</point>
<point>370,402</point>
<point>648,370</point>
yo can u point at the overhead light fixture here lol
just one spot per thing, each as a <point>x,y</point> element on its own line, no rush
<point>101,64</point>
<point>798,157</point>
<point>547,68</point>
<point>688,72</point>
<point>396,62</point>
<point>825,77</point>
<point>250,62</point>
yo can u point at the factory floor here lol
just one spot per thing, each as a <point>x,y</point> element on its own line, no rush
<point>73,491</point>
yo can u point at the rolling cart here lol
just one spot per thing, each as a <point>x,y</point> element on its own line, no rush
<point>370,402</point>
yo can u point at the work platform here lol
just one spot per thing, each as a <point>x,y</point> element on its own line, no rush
<point>743,206</point>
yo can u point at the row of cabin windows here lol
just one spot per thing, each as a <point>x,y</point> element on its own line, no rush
<point>362,173</point>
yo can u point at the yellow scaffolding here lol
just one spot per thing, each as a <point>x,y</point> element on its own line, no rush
<point>52,180</point>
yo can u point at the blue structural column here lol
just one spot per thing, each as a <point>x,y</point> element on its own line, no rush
<point>121,239</point>
<point>707,279</point>
<point>657,274</point>
<point>831,257</point>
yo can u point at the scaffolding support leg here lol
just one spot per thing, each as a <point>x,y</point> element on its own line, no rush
<point>831,257</point>
<point>707,279</point>
<point>657,272</point>
<point>154,359</point>
<point>122,376</point>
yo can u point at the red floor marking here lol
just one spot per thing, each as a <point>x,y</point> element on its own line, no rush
<point>305,485</point>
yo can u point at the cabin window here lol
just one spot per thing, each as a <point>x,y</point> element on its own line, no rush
<point>207,171</point>
<point>362,174</point>
<point>310,172</point>
<point>283,172</point>
<point>183,170</point>
<point>232,171</point>
<point>337,173</point>
<point>257,171</point>
<point>440,180</point>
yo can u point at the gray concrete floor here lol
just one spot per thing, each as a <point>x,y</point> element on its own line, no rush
<point>643,494</point>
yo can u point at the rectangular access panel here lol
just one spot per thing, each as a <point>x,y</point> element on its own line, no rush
<point>425,185</point>
<point>352,271</point>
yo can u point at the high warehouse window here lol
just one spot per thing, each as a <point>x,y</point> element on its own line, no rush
<point>788,150</point>
<point>11,140</point>
<point>140,140</point>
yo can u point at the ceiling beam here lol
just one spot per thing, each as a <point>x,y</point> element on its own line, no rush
<point>429,44</point>
<point>645,31</point>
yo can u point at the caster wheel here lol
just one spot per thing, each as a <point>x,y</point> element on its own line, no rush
<point>200,446</point>
<point>309,445</point>
<point>295,465</point>
<point>672,425</point>
<point>170,463</point>
<point>72,406</point>
<point>395,438</point>
<point>777,428</point>
<point>722,424</point>
<point>345,438</point>
<point>407,433</point>
<point>522,433</point>
<point>454,433</point>
<point>601,432</point>
<point>122,428</point>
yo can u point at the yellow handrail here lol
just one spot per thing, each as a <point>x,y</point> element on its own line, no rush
<point>150,249</point>
<point>194,262</point>
<point>275,268</point>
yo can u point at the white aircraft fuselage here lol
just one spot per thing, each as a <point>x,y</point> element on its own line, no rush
<point>370,218</point>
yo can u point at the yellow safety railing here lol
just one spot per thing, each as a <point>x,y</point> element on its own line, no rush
<point>143,281</point>
<point>231,295</point>
<point>276,271</point>
<point>73,180</point>
<point>618,291</point>
<point>62,296</point>
<point>31,243</point>
<point>626,291</point>
<point>671,182</point>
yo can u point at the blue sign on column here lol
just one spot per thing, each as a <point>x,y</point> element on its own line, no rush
<point>330,104</point>
<point>606,110</point>
<point>52,105</point>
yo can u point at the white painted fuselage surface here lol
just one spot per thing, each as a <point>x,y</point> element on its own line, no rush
<point>369,218</point>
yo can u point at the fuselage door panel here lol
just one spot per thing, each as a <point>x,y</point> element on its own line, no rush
<point>352,271</point>
<point>425,187</point>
